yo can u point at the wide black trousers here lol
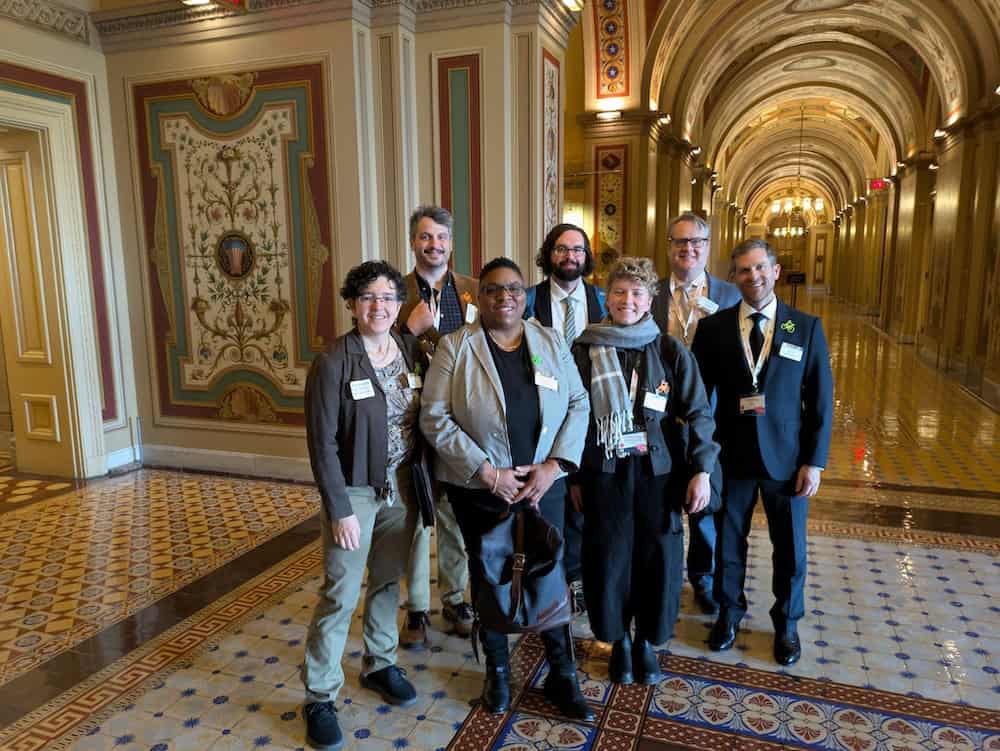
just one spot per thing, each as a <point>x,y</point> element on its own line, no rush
<point>633,552</point>
<point>477,512</point>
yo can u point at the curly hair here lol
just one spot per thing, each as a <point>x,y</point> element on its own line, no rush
<point>358,279</point>
<point>544,258</point>
<point>635,269</point>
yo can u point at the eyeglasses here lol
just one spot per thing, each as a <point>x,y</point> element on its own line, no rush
<point>493,290</point>
<point>694,242</point>
<point>367,298</point>
<point>565,250</point>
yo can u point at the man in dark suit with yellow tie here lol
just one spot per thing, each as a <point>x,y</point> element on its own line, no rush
<point>769,367</point>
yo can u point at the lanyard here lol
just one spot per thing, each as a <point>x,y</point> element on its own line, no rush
<point>684,315</point>
<point>755,368</point>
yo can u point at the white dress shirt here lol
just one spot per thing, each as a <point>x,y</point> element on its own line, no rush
<point>767,329</point>
<point>558,295</point>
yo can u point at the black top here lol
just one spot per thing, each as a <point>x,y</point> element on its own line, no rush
<point>524,419</point>
<point>631,360</point>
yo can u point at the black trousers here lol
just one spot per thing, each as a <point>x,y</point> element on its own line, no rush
<point>633,550</point>
<point>477,512</point>
<point>786,524</point>
<point>573,540</point>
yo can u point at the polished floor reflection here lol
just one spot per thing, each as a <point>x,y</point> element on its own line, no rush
<point>164,610</point>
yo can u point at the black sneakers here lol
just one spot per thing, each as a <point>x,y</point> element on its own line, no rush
<point>390,684</point>
<point>322,728</point>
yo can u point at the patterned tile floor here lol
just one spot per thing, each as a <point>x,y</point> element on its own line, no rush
<point>904,560</point>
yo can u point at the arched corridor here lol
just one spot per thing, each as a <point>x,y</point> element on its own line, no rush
<point>183,188</point>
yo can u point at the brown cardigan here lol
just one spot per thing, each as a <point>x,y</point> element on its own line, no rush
<point>347,437</point>
<point>467,289</point>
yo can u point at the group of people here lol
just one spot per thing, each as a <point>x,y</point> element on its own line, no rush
<point>609,412</point>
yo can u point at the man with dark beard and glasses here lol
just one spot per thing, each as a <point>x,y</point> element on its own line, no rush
<point>565,302</point>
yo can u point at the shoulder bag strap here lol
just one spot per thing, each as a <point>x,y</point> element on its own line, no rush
<point>518,568</point>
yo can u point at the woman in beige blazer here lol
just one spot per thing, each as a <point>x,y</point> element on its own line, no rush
<point>504,407</point>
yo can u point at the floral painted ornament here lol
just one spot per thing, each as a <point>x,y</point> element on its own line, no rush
<point>466,297</point>
<point>788,326</point>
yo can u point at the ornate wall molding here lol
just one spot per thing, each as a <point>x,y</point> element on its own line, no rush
<point>49,16</point>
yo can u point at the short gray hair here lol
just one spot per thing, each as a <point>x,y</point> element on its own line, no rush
<point>689,216</point>
<point>436,214</point>
<point>746,246</point>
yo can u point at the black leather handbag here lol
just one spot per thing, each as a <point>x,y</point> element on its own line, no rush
<point>524,584</point>
<point>421,461</point>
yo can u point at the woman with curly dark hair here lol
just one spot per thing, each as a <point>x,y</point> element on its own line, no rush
<point>362,402</point>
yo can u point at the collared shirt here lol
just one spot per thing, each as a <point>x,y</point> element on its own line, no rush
<point>558,295</point>
<point>444,303</point>
<point>767,329</point>
<point>685,311</point>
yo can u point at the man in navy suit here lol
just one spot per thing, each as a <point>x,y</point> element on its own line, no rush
<point>686,296</point>
<point>565,302</point>
<point>768,367</point>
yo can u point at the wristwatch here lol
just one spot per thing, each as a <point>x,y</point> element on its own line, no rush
<point>566,466</point>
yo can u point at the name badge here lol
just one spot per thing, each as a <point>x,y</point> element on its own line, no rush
<point>471,311</point>
<point>546,382</point>
<point>656,402</point>
<point>634,444</point>
<point>708,305</point>
<point>362,389</point>
<point>414,381</point>
<point>791,351</point>
<point>752,405</point>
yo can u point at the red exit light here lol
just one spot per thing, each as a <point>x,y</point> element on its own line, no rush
<point>878,184</point>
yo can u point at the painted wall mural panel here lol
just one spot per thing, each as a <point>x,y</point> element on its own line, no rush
<point>74,93</point>
<point>611,163</point>
<point>235,194</point>
<point>611,28</point>
<point>459,89</point>
<point>551,141</point>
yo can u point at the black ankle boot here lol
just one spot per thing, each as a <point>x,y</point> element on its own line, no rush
<point>620,664</point>
<point>496,689</point>
<point>563,690</point>
<point>645,663</point>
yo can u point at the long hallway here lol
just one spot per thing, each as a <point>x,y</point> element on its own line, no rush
<point>164,610</point>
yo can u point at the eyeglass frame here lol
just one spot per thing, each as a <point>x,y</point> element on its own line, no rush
<point>516,290</point>
<point>683,242</point>
<point>565,250</point>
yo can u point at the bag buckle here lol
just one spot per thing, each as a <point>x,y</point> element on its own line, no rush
<point>519,561</point>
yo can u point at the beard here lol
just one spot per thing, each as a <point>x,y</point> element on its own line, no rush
<point>568,273</point>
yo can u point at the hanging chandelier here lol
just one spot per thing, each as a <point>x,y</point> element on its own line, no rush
<point>798,200</point>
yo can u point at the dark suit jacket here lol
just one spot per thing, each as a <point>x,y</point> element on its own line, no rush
<point>347,436</point>
<point>796,427</point>
<point>719,291</point>
<point>539,303</point>
<point>467,289</point>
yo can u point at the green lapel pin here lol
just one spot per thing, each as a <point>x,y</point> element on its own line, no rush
<point>536,359</point>
<point>788,326</point>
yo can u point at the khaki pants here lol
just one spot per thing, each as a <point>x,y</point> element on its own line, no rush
<point>453,564</point>
<point>386,535</point>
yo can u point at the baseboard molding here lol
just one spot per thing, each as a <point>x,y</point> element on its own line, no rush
<point>121,457</point>
<point>228,462</point>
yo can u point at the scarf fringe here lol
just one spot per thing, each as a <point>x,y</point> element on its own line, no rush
<point>610,429</point>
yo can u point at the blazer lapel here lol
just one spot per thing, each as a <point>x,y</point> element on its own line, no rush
<point>536,347</point>
<point>543,303</point>
<point>780,314</point>
<point>356,348</point>
<point>479,346</point>
<point>593,306</point>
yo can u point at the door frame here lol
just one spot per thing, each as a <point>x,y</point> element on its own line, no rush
<point>55,121</point>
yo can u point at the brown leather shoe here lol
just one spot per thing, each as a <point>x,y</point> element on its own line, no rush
<point>460,617</point>
<point>413,635</point>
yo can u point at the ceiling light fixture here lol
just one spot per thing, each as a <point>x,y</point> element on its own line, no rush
<point>573,5</point>
<point>997,90</point>
<point>695,151</point>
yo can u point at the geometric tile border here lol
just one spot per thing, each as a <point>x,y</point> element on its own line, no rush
<point>73,565</point>
<point>58,723</point>
<point>703,704</point>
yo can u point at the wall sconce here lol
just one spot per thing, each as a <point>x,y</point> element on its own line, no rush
<point>695,151</point>
<point>193,3</point>
<point>939,134</point>
<point>776,207</point>
<point>665,119</point>
<point>573,5</point>
<point>609,115</point>
<point>932,167</point>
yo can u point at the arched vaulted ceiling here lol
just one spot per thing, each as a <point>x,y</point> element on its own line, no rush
<point>873,78</point>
